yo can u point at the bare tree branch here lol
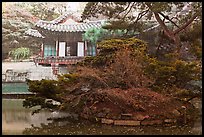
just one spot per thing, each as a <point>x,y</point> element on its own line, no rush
<point>166,17</point>
<point>162,24</point>
<point>123,10</point>
<point>141,14</point>
<point>166,30</point>
<point>186,24</point>
<point>129,10</point>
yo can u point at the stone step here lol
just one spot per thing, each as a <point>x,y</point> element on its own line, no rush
<point>106,121</point>
<point>126,116</point>
<point>126,122</point>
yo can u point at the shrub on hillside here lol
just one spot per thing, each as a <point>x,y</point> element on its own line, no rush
<point>20,53</point>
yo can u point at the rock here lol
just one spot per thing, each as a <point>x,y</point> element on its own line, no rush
<point>197,103</point>
<point>170,120</point>
<point>126,122</point>
<point>53,102</point>
<point>106,121</point>
<point>167,124</point>
<point>85,88</point>
<point>176,112</point>
<point>138,117</point>
<point>151,122</point>
<point>100,115</point>
<point>126,116</point>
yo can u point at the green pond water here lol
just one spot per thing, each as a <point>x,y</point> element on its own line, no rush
<point>14,87</point>
<point>17,120</point>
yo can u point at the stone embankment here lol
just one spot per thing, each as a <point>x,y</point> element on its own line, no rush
<point>140,120</point>
<point>19,71</point>
<point>132,107</point>
<point>166,122</point>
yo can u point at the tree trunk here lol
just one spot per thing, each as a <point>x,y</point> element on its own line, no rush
<point>170,34</point>
<point>173,35</point>
<point>177,42</point>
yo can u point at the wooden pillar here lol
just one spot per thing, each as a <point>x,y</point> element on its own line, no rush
<point>85,48</point>
<point>57,48</point>
<point>42,50</point>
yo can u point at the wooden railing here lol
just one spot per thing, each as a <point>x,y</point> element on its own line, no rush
<point>58,60</point>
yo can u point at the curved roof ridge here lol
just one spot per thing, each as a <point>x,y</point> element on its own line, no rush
<point>79,27</point>
<point>34,33</point>
<point>42,22</point>
<point>59,19</point>
<point>64,16</point>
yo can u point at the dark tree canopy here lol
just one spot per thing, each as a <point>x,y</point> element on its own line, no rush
<point>173,17</point>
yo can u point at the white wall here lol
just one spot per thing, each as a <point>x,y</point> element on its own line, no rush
<point>62,49</point>
<point>80,49</point>
<point>34,72</point>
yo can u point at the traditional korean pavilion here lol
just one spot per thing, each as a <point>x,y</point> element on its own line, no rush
<point>62,41</point>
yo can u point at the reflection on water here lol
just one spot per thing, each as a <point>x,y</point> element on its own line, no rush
<point>15,118</point>
<point>18,120</point>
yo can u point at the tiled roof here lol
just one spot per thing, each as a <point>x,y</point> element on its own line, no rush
<point>61,24</point>
<point>64,16</point>
<point>34,33</point>
<point>67,22</point>
<point>78,27</point>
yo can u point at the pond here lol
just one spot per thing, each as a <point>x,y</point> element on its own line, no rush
<point>14,87</point>
<point>18,120</point>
